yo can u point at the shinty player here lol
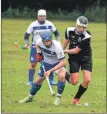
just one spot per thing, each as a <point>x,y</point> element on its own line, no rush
<point>80,55</point>
<point>36,28</point>
<point>53,61</point>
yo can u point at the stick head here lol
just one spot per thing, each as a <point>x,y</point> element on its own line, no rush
<point>17,45</point>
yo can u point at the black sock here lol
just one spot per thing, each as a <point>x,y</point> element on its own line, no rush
<point>67,76</point>
<point>80,92</point>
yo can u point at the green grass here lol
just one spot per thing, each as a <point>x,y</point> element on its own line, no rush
<point>15,64</point>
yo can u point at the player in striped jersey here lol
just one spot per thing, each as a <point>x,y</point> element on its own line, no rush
<point>80,55</point>
<point>36,28</point>
<point>53,61</point>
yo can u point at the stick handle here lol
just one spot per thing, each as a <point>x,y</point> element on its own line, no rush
<point>18,46</point>
<point>48,81</point>
<point>49,85</point>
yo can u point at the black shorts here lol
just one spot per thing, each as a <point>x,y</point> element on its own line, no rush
<point>75,65</point>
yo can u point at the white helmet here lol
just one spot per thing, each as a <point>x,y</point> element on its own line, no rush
<point>82,21</point>
<point>42,12</point>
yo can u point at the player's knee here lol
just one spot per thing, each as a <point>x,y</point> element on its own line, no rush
<point>33,65</point>
<point>74,82</point>
<point>75,79</point>
<point>62,76</point>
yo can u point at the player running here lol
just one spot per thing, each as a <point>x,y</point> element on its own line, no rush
<point>80,55</point>
<point>36,28</point>
<point>53,61</point>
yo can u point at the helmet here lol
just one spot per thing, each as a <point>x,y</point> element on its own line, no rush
<point>42,12</point>
<point>82,21</point>
<point>46,36</point>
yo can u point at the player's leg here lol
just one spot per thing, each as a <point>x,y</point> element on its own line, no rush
<point>33,64</point>
<point>61,85</point>
<point>73,76</point>
<point>87,68</point>
<point>51,79</point>
<point>83,86</point>
<point>35,87</point>
<point>86,78</point>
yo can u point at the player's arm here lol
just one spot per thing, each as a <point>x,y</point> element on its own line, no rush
<point>56,33</point>
<point>66,41</point>
<point>39,54</point>
<point>62,63</point>
<point>61,57</point>
<point>73,51</point>
<point>26,36</point>
<point>84,43</point>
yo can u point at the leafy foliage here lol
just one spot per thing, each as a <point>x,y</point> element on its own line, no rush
<point>97,14</point>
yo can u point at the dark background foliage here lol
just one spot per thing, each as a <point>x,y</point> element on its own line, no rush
<point>53,5</point>
<point>94,10</point>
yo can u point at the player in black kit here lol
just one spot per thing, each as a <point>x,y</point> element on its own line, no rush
<point>80,55</point>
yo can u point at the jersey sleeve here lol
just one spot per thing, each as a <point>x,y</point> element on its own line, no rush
<point>30,29</point>
<point>66,34</point>
<point>84,43</point>
<point>59,51</point>
<point>53,27</point>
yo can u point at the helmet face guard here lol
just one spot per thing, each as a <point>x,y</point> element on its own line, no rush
<point>82,21</point>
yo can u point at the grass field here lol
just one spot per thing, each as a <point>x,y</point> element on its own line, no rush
<point>15,64</point>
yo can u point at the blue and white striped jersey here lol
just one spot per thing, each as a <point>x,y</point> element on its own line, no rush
<point>53,54</point>
<point>35,28</point>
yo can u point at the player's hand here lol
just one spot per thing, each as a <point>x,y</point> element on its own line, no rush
<point>47,73</point>
<point>65,51</point>
<point>39,57</point>
<point>26,46</point>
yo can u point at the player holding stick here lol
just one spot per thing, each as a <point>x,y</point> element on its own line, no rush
<point>53,61</point>
<point>36,28</point>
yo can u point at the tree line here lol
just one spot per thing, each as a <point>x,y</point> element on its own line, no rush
<point>53,5</point>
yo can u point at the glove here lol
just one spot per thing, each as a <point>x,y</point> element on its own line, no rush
<point>39,57</point>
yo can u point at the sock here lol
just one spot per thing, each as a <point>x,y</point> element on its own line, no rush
<point>31,74</point>
<point>67,76</point>
<point>80,92</point>
<point>51,78</point>
<point>60,87</point>
<point>34,88</point>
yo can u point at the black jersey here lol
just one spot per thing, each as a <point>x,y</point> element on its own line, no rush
<point>81,40</point>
